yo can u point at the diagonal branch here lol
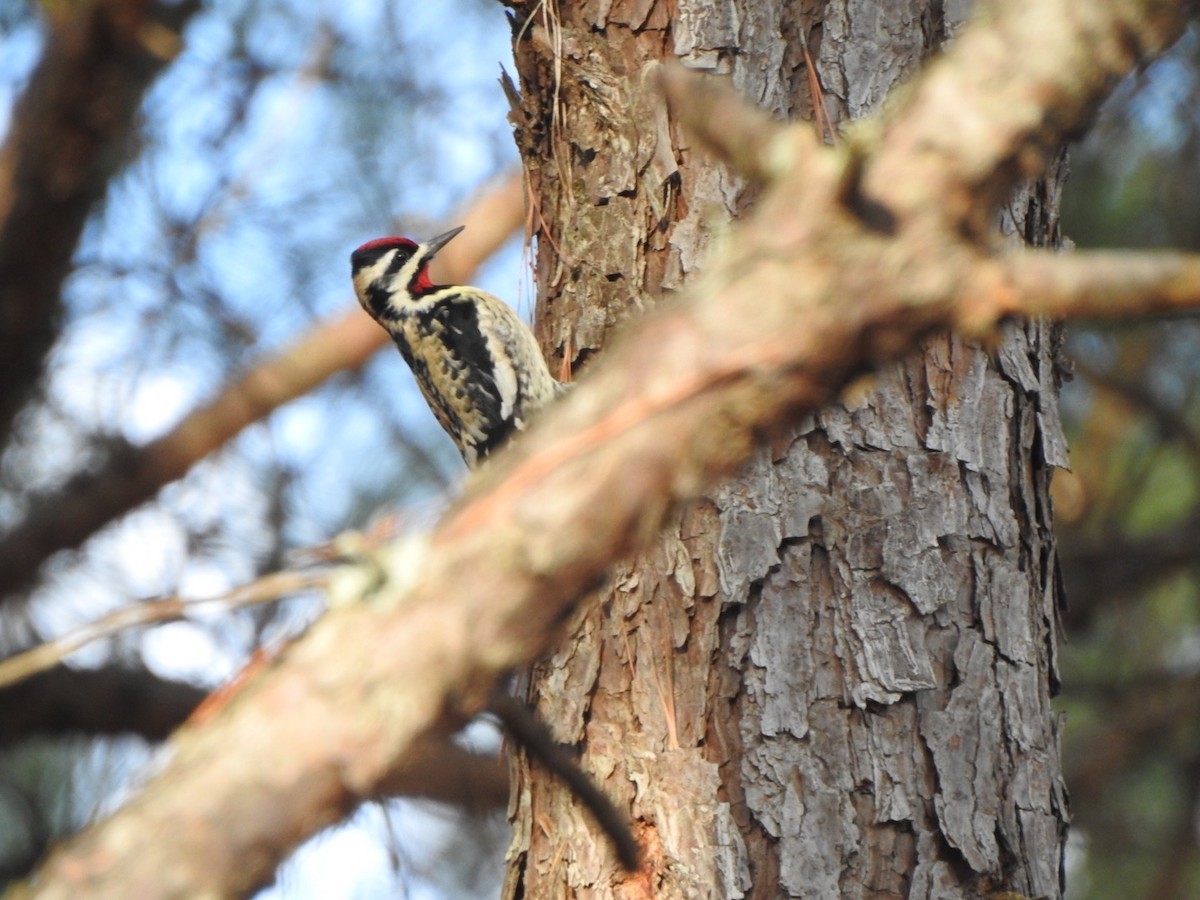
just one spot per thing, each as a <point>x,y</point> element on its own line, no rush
<point>992,111</point>
<point>132,475</point>
<point>742,136</point>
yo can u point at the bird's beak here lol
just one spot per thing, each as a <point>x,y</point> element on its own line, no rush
<point>437,243</point>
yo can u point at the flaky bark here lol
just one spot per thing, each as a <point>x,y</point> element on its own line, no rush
<point>832,677</point>
<point>807,293</point>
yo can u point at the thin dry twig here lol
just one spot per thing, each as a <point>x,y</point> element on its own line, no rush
<point>820,112</point>
<point>153,612</point>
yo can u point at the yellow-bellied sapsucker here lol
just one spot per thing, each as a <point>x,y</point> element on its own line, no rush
<point>483,376</point>
<point>476,363</point>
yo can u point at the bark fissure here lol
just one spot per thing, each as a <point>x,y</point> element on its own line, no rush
<point>863,669</point>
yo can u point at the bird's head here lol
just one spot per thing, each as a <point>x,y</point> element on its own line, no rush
<point>392,271</point>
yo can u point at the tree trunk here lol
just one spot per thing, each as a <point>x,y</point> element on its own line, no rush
<point>833,677</point>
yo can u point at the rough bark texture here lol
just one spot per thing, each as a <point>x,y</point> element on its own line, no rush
<point>832,678</point>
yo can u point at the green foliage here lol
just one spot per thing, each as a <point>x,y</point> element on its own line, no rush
<point>1131,668</point>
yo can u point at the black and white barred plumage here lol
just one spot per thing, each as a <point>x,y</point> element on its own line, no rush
<point>476,363</point>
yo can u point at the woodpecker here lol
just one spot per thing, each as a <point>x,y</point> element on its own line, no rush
<point>477,364</point>
<point>483,376</point>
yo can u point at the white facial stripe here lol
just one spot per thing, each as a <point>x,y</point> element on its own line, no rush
<point>401,280</point>
<point>364,278</point>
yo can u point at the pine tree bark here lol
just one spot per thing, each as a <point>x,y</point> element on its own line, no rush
<point>832,678</point>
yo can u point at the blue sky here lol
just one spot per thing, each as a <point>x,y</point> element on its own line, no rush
<point>287,133</point>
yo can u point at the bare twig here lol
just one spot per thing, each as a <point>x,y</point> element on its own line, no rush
<point>820,111</point>
<point>153,612</point>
